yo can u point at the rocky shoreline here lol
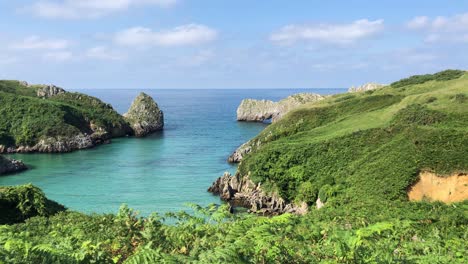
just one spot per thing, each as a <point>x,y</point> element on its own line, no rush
<point>241,191</point>
<point>11,166</point>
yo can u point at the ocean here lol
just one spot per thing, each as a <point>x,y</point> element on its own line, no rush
<point>162,172</point>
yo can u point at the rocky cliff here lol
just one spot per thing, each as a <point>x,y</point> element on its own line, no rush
<point>241,191</point>
<point>144,115</point>
<point>11,165</point>
<point>261,110</point>
<point>366,87</point>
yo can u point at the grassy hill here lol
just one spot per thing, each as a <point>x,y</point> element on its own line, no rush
<point>366,146</point>
<point>358,152</point>
<point>26,118</point>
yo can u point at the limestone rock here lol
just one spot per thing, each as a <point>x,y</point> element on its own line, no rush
<point>144,115</point>
<point>366,87</point>
<point>241,191</point>
<point>47,91</point>
<point>11,165</point>
<point>239,153</point>
<point>261,110</point>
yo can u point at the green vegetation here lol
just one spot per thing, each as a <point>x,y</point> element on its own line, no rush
<point>420,79</point>
<point>358,154</point>
<point>22,202</point>
<point>26,118</point>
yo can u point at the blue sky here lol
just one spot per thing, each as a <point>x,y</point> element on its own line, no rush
<point>139,44</point>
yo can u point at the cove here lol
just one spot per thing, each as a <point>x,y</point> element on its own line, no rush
<point>162,172</point>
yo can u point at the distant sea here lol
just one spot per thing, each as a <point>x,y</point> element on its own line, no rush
<point>162,172</point>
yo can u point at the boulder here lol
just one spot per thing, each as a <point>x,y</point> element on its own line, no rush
<point>261,110</point>
<point>144,116</point>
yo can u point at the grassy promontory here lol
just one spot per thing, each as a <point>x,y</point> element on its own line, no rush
<point>27,119</point>
<point>358,152</point>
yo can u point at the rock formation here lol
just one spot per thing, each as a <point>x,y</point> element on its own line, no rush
<point>241,191</point>
<point>365,87</point>
<point>11,165</point>
<point>47,91</point>
<point>144,115</point>
<point>261,110</point>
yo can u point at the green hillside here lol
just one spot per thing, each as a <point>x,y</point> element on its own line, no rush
<point>26,118</point>
<point>358,152</point>
<point>366,146</point>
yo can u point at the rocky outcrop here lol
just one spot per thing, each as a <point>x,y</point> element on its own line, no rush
<point>11,165</point>
<point>47,91</point>
<point>60,144</point>
<point>144,115</point>
<point>365,87</point>
<point>261,110</point>
<point>241,191</point>
<point>239,153</point>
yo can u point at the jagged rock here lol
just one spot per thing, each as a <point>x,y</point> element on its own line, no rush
<point>240,152</point>
<point>46,91</point>
<point>144,115</point>
<point>261,110</point>
<point>365,87</point>
<point>241,191</point>
<point>11,165</point>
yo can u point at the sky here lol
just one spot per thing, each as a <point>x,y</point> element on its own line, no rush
<point>144,44</point>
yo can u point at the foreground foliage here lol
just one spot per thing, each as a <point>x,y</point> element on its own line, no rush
<point>370,233</point>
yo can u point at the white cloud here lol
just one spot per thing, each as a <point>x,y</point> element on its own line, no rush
<point>442,28</point>
<point>59,56</point>
<point>35,42</point>
<point>75,9</point>
<point>418,22</point>
<point>328,33</point>
<point>102,53</point>
<point>190,34</point>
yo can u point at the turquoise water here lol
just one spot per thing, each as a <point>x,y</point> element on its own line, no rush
<point>162,172</point>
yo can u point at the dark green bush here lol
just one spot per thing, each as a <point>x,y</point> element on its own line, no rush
<point>419,79</point>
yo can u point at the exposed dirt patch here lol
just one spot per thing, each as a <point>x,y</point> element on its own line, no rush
<point>447,189</point>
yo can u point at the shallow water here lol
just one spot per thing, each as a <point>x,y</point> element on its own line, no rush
<point>162,172</point>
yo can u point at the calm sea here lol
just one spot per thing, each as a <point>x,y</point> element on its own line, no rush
<point>162,172</point>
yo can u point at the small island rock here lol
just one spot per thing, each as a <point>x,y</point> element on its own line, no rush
<point>144,115</point>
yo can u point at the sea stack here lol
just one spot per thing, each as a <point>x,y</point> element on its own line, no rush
<point>144,116</point>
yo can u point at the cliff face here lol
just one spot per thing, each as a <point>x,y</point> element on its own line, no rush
<point>11,166</point>
<point>144,115</point>
<point>261,110</point>
<point>241,191</point>
<point>365,87</point>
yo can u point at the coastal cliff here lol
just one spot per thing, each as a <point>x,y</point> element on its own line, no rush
<point>11,165</point>
<point>261,110</point>
<point>144,115</point>
<point>47,118</point>
<point>241,191</point>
